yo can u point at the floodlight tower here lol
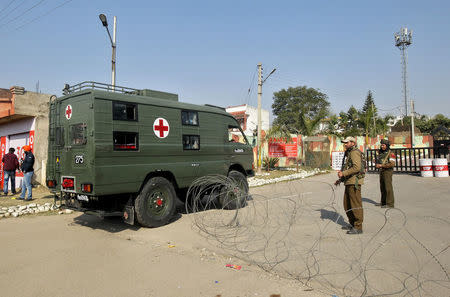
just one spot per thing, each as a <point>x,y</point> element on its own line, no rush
<point>402,40</point>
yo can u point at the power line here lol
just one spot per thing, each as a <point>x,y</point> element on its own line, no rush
<point>18,5</point>
<point>7,6</point>
<point>250,89</point>
<point>22,14</point>
<point>43,15</point>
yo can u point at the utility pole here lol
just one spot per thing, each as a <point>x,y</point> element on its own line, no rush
<point>373,116</point>
<point>402,40</point>
<point>258,139</point>
<point>412,123</point>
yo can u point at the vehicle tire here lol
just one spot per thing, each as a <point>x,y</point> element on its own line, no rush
<point>155,205</point>
<point>234,195</point>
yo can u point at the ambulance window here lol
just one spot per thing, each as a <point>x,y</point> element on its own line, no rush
<point>191,142</point>
<point>59,136</point>
<point>124,111</point>
<point>126,141</point>
<point>78,134</point>
<point>235,135</point>
<point>189,117</point>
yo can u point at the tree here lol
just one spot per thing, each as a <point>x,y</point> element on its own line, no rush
<point>425,124</point>
<point>369,104</point>
<point>351,122</point>
<point>300,109</point>
<point>382,124</point>
<point>334,125</point>
<point>368,116</point>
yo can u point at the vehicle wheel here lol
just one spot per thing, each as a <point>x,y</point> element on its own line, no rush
<point>234,195</point>
<point>155,205</point>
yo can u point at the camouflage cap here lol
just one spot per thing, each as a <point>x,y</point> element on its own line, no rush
<point>349,138</point>
<point>384,141</point>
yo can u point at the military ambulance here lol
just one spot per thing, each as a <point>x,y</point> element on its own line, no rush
<point>117,151</point>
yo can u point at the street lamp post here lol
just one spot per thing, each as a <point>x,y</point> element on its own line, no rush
<point>113,45</point>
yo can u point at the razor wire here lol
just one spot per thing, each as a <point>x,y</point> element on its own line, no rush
<point>294,235</point>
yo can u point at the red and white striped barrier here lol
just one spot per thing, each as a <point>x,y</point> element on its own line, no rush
<point>440,167</point>
<point>426,167</point>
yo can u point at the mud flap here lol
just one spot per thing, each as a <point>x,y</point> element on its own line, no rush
<point>128,214</point>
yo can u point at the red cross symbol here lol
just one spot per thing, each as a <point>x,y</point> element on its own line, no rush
<point>68,112</point>
<point>161,128</point>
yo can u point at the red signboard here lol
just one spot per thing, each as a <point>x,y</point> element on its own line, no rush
<point>279,148</point>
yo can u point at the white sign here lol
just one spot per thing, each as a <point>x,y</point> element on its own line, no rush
<point>336,160</point>
<point>68,111</point>
<point>161,128</point>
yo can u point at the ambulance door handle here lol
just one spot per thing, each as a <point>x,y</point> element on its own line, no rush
<point>195,164</point>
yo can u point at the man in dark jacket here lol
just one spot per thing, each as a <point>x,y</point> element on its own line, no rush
<point>27,169</point>
<point>10,165</point>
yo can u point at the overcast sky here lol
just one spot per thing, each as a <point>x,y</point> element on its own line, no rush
<point>207,51</point>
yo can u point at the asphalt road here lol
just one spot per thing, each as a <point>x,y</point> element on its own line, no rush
<point>291,230</point>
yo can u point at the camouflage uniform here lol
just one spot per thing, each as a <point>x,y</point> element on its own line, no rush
<point>387,161</point>
<point>353,181</point>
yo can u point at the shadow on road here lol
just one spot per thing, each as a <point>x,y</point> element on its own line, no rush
<point>111,224</point>
<point>369,200</point>
<point>332,216</point>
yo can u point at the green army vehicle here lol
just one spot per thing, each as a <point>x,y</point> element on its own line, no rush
<point>121,151</point>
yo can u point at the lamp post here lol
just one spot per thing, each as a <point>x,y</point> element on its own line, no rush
<point>113,45</point>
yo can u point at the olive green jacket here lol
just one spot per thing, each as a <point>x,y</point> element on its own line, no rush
<point>352,167</point>
<point>386,159</point>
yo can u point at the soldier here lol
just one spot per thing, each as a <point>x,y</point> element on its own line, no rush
<point>352,175</point>
<point>385,162</point>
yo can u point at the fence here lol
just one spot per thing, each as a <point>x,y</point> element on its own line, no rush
<point>407,159</point>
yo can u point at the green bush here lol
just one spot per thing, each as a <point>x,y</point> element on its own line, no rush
<point>270,162</point>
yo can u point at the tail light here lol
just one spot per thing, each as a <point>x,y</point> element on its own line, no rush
<point>51,183</point>
<point>87,188</point>
<point>68,183</point>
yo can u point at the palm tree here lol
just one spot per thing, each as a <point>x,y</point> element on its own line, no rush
<point>309,126</point>
<point>382,124</point>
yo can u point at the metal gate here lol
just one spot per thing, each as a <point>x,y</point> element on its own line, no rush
<point>407,159</point>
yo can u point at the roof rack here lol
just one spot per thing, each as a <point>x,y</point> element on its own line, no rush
<point>98,86</point>
<point>210,105</point>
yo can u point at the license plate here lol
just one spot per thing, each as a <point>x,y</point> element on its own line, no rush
<point>83,198</point>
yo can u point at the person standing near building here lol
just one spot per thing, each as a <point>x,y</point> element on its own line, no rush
<point>10,165</point>
<point>385,162</point>
<point>27,169</point>
<point>352,175</point>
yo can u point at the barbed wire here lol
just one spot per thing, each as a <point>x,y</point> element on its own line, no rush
<point>294,233</point>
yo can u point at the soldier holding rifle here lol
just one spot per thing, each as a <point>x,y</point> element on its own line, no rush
<point>352,175</point>
<point>385,162</point>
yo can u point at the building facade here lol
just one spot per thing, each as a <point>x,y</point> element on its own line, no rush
<point>247,116</point>
<point>24,121</point>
